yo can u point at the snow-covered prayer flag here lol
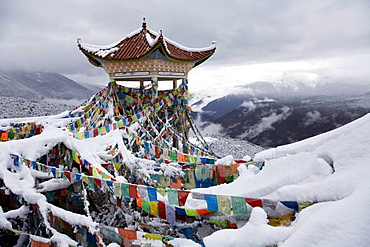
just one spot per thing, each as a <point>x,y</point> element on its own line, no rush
<point>143,192</point>
<point>290,204</point>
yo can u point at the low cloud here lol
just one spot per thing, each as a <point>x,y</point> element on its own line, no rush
<point>311,118</point>
<point>206,128</point>
<point>266,123</point>
<point>249,104</point>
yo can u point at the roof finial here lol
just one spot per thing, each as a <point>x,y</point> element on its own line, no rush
<point>144,22</point>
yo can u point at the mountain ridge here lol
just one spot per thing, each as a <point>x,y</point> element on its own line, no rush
<point>40,86</point>
<point>269,116</point>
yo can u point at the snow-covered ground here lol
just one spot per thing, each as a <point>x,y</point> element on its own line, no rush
<point>222,146</point>
<point>11,107</point>
<point>332,169</point>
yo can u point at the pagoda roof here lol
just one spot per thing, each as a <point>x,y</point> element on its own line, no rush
<point>140,44</point>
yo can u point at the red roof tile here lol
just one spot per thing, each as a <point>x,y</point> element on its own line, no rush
<point>143,42</point>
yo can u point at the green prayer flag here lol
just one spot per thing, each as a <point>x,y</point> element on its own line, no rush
<point>173,197</point>
<point>173,155</point>
<point>124,191</point>
<point>91,184</point>
<point>239,205</point>
<point>146,206</point>
<point>191,212</point>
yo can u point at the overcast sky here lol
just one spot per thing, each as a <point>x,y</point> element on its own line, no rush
<point>312,40</point>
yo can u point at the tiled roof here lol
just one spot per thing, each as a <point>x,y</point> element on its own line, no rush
<point>143,42</point>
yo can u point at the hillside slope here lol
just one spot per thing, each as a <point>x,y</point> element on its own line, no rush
<point>41,85</point>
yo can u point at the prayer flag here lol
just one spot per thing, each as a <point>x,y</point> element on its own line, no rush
<point>268,204</point>
<point>98,182</point>
<point>291,204</point>
<point>53,170</point>
<point>67,174</point>
<point>212,202</point>
<point>109,184</point>
<point>91,184</point>
<point>183,195</point>
<point>152,236</point>
<point>35,243</point>
<point>78,178</point>
<point>173,155</point>
<point>302,205</point>
<point>191,212</point>
<point>125,190</point>
<point>152,194</point>
<point>117,189</point>
<point>224,204</point>
<point>239,206</point>
<point>181,157</point>
<point>133,191</point>
<point>143,192</point>
<point>127,234</point>
<point>170,214</point>
<point>175,183</point>
<point>203,212</point>
<point>254,202</point>
<point>173,198</point>
<point>146,206</point>
<point>154,208</point>
<point>162,210</point>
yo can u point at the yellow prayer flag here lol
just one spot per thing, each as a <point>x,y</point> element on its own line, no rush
<point>117,189</point>
<point>154,208</point>
<point>117,166</point>
<point>152,236</point>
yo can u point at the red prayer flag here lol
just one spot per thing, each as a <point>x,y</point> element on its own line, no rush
<point>127,234</point>
<point>203,212</point>
<point>133,191</point>
<point>162,210</point>
<point>68,175</point>
<point>183,195</point>
<point>35,243</point>
<point>97,182</point>
<point>96,132</point>
<point>254,202</point>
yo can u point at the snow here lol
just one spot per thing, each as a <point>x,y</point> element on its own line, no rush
<point>183,243</point>
<point>105,50</point>
<point>303,172</point>
<point>254,233</point>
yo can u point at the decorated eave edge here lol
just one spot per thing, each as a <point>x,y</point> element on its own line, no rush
<point>160,45</point>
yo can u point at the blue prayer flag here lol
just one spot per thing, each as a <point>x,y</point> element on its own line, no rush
<point>212,202</point>
<point>152,194</point>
